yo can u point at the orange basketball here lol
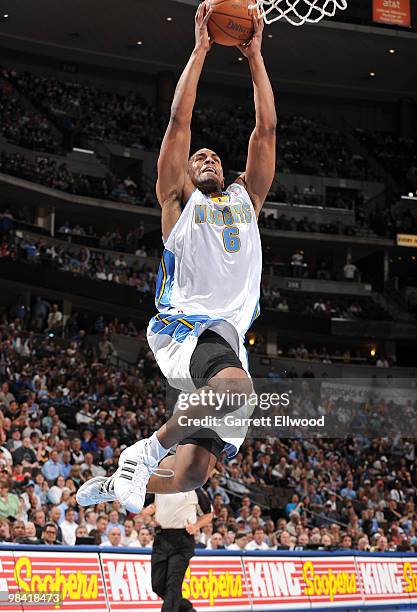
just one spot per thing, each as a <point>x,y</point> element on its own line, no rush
<point>231,21</point>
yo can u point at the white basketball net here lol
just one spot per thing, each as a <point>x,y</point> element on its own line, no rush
<point>298,12</point>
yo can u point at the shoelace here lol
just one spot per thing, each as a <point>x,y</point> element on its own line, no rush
<point>129,467</point>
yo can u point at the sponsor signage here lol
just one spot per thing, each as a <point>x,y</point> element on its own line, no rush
<point>296,583</point>
<point>98,582</point>
<point>395,12</point>
<point>211,582</point>
<point>45,581</point>
<point>407,240</point>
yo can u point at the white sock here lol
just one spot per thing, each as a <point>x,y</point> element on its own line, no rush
<point>157,451</point>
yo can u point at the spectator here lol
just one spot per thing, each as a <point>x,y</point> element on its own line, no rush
<point>130,537</point>
<point>39,522</point>
<point>293,505</point>
<point>90,520</point>
<point>114,522</point>
<point>215,489</point>
<point>114,538</point>
<point>258,541</point>
<point>4,530</point>
<point>25,455</point>
<point>215,542</point>
<point>9,503</point>
<point>101,527</point>
<point>69,527</point>
<point>5,396</point>
<point>55,319</point>
<point>348,492</point>
<point>49,535</point>
<point>30,534</point>
<point>350,271</point>
<point>52,468</point>
<point>90,465</point>
<point>18,531</point>
<point>144,537</point>
<point>240,542</point>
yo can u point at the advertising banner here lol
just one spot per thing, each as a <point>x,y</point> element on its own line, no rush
<point>46,581</point>
<point>216,583</point>
<point>8,587</point>
<point>105,581</point>
<point>274,582</point>
<point>128,582</point>
<point>331,581</point>
<point>409,579</point>
<point>296,583</point>
<point>210,583</point>
<point>385,580</point>
<point>395,12</point>
<point>407,240</point>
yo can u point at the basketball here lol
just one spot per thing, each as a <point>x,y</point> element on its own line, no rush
<point>231,22</point>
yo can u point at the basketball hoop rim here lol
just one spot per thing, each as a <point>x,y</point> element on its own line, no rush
<point>312,11</point>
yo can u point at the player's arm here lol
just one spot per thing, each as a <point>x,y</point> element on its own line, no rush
<point>173,185</point>
<point>260,165</point>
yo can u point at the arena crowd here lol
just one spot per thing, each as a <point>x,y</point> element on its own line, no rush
<point>66,414</point>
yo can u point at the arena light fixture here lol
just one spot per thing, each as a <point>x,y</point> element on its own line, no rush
<point>139,42</point>
<point>169,18</point>
<point>87,151</point>
<point>240,59</point>
<point>372,74</point>
<point>392,51</point>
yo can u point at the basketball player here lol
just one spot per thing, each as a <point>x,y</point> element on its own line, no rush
<point>207,287</point>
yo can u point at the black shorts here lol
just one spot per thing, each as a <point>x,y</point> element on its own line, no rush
<point>211,355</point>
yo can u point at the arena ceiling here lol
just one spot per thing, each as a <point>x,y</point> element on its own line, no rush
<point>331,57</point>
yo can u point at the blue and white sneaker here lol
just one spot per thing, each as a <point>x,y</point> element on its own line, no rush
<point>136,466</point>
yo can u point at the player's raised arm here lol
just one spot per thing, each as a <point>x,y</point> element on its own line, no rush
<point>260,165</point>
<point>173,185</point>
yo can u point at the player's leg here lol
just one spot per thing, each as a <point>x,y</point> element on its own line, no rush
<point>230,383</point>
<point>214,364</point>
<point>138,462</point>
<point>192,465</point>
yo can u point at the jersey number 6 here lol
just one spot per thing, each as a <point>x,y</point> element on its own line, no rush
<point>231,239</point>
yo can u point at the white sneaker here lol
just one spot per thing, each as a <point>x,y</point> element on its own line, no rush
<point>136,466</point>
<point>96,490</point>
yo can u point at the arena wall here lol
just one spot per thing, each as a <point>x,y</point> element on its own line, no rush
<point>98,579</point>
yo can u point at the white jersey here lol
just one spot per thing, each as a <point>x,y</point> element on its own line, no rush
<point>209,277</point>
<point>212,261</point>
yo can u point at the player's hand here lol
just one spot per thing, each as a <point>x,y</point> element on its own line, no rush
<point>252,48</point>
<point>191,528</point>
<point>202,38</point>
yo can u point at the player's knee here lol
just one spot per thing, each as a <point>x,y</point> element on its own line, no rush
<point>234,393</point>
<point>242,387</point>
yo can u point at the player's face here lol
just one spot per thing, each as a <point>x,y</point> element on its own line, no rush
<point>206,172</point>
